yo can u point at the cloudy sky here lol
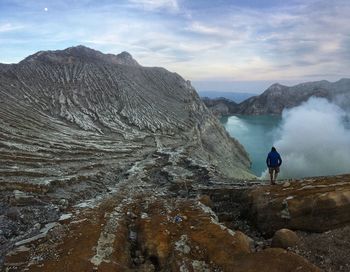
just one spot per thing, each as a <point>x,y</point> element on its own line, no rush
<point>237,45</point>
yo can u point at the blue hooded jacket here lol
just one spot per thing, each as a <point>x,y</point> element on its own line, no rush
<point>273,159</point>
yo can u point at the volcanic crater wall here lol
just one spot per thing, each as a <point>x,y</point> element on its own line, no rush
<point>78,114</point>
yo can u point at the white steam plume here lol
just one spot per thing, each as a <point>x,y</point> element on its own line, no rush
<point>314,140</point>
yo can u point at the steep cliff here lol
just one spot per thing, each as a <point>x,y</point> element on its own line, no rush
<point>78,102</point>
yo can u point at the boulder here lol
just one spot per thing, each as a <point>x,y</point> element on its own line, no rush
<point>205,199</point>
<point>315,205</point>
<point>285,238</point>
<point>21,198</point>
<point>286,184</point>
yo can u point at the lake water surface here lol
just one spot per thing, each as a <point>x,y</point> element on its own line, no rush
<point>256,134</point>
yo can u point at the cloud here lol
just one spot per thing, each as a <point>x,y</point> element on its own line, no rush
<point>200,28</point>
<point>317,31</point>
<point>8,27</point>
<point>201,40</point>
<point>314,140</point>
<point>171,5</point>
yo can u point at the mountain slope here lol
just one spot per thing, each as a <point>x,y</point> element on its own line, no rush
<point>278,97</point>
<point>234,96</point>
<point>99,109</point>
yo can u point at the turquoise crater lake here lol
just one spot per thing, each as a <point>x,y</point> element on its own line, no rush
<point>256,133</point>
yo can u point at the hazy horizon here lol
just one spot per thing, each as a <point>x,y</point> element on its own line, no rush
<point>253,87</point>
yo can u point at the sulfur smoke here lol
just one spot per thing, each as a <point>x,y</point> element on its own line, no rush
<point>314,140</point>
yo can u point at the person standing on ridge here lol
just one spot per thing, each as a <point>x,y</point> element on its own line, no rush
<point>273,162</point>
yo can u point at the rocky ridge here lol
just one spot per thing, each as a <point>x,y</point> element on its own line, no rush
<point>279,97</point>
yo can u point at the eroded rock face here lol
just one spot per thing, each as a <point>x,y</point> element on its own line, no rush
<point>314,205</point>
<point>69,112</point>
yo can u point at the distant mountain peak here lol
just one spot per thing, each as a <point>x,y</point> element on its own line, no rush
<point>345,80</point>
<point>83,54</point>
<point>125,54</point>
<point>277,86</point>
<point>80,49</point>
<point>127,59</point>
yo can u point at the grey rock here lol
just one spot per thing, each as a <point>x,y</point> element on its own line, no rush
<point>183,193</point>
<point>286,184</point>
<point>24,199</point>
<point>63,204</point>
<point>37,226</point>
<point>220,106</point>
<point>13,214</point>
<point>3,240</point>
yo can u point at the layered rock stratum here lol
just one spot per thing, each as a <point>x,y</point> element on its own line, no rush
<point>79,102</point>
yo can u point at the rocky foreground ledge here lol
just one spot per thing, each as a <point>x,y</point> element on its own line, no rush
<point>315,205</point>
<point>218,227</point>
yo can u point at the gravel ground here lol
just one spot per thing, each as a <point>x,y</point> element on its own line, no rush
<point>329,250</point>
